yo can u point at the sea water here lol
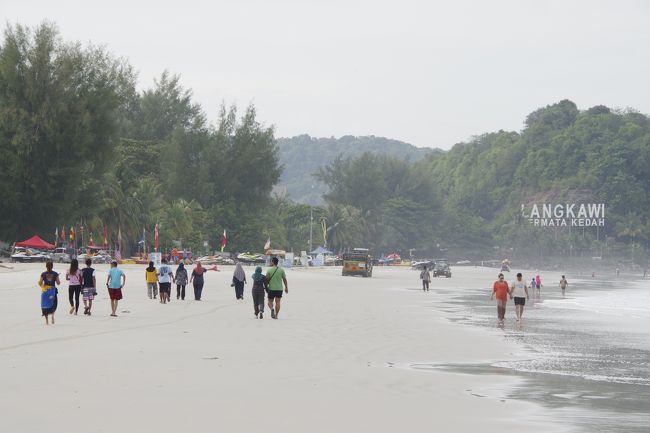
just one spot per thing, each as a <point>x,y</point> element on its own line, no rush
<point>587,356</point>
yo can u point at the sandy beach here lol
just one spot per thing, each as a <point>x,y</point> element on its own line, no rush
<point>340,358</point>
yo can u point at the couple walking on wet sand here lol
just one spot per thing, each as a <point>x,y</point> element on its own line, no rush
<point>271,284</point>
<point>517,291</point>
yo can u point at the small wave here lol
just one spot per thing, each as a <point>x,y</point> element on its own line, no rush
<point>628,380</point>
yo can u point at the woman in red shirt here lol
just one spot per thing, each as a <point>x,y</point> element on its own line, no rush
<point>502,290</point>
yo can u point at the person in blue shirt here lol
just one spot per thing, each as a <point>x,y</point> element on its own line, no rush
<point>115,283</point>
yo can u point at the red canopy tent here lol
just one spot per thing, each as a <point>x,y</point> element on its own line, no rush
<point>35,242</point>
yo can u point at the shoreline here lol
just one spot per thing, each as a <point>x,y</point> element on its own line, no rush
<point>339,358</point>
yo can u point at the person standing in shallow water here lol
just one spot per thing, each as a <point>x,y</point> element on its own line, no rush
<point>74,288</point>
<point>181,281</point>
<point>238,280</point>
<point>425,276</point>
<point>274,278</point>
<point>258,292</point>
<point>563,284</point>
<point>501,290</point>
<point>49,300</point>
<point>519,292</point>
<point>197,280</point>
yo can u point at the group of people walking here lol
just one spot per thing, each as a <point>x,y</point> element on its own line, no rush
<point>162,279</point>
<point>518,292</point>
<point>83,283</point>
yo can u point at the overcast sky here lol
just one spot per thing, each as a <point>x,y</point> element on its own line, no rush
<point>429,73</point>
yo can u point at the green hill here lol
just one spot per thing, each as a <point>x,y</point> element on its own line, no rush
<point>303,155</point>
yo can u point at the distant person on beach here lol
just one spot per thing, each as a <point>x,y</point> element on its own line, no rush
<point>115,283</point>
<point>519,292</point>
<point>618,272</point>
<point>238,280</point>
<point>181,281</point>
<point>89,284</point>
<point>197,280</point>
<point>151,277</point>
<point>538,286</point>
<point>501,290</point>
<point>425,276</point>
<point>258,292</point>
<point>275,276</point>
<point>165,279</point>
<point>49,300</point>
<point>73,275</point>
<point>563,284</point>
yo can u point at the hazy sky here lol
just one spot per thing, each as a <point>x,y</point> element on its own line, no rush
<point>429,73</point>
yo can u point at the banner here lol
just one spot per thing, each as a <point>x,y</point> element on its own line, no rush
<point>155,238</point>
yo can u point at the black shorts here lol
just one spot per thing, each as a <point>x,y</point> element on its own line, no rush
<point>520,301</point>
<point>274,294</point>
<point>165,287</point>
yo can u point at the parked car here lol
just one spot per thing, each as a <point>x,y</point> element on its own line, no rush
<point>442,269</point>
<point>60,255</point>
<point>100,257</point>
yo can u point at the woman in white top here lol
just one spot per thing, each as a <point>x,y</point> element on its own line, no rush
<point>519,291</point>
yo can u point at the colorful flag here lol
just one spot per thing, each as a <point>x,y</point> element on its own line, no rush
<point>224,240</point>
<point>105,236</point>
<point>62,234</point>
<point>92,242</point>
<point>71,234</point>
<point>267,245</point>
<point>56,236</point>
<point>155,238</point>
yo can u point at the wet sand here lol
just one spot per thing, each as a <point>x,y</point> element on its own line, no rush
<point>340,358</point>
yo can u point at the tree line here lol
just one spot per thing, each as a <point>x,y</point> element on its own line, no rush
<point>81,145</point>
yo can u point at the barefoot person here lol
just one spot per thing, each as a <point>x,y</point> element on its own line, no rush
<point>49,300</point>
<point>73,275</point>
<point>274,278</point>
<point>501,290</point>
<point>151,277</point>
<point>538,286</point>
<point>89,284</point>
<point>115,283</point>
<point>563,284</point>
<point>425,276</point>
<point>165,279</point>
<point>519,291</point>
<point>258,292</point>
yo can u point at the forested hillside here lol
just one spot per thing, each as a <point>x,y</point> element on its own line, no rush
<point>82,147</point>
<point>473,201</point>
<point>302,156</point>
